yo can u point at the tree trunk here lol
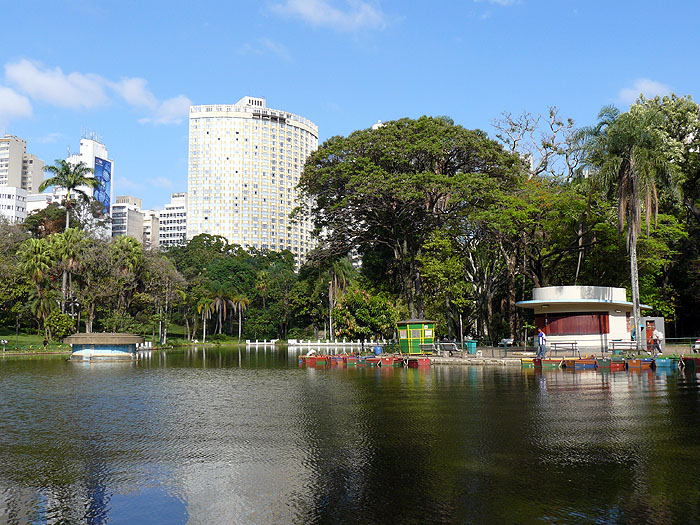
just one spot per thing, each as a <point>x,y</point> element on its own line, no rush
<point>90,319</point>
<point>448,317</point>
<point>70,294</point>
<point>64,287</point>
<point>511,267</point>
<point>489,318</point>
<point>634,273</point>
<point>240,320</point>
<point>164,334</point>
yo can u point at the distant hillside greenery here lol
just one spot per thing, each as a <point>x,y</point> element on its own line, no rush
<point>417,218</point>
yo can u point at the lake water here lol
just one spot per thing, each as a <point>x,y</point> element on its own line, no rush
<point>250,437</point>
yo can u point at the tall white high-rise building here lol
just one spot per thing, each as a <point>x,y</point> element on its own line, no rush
<point>245,161</point>
<point>93,153</point>
<point>17,167</point>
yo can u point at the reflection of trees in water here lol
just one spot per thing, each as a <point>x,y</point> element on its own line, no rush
<point>85,499</point>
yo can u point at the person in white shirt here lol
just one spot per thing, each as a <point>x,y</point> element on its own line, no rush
<point>656,337</point>
<point>541,343</point>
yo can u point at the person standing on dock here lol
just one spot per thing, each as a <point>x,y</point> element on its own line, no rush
<point>541,343</point>
<point>656,336</point>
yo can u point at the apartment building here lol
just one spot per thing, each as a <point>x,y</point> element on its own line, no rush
<point>245,161</point>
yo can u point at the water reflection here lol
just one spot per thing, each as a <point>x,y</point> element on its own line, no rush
<point>248,436</point>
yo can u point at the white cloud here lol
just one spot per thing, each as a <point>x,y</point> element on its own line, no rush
<point>49,138</point>
<point>135,92</point>
<point>171,111</point>
<point>644,86</point>
<point>88,90</point>
<point>124,183</point>
<point>72,90</point>
<point>161,182</point>
<point>357,15</point>
<point>275,48</point>
<point>12,105</point>
<point>264,46</point>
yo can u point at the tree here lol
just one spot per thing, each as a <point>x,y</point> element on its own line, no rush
<point>361,315</point>
<point>98,280</point>
<point>240,303</point>
<point>127,254</point>
<point>45,222</point>
<point>36,261</point>
<point>70,177</point>
<point>625,152</point>
<point>67,247</point>
<point>550,151</point>
<point>394,185</point>
<point>262,284</point>
<point>337,282</point>
<point>220,303</point>
<point>204,309</point>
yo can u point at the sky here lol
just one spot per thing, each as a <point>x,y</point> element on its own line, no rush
<point>128,70</point>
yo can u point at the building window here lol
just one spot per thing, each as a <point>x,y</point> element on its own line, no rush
<point>578,323</point>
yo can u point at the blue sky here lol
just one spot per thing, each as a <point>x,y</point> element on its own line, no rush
<point>129,69</point>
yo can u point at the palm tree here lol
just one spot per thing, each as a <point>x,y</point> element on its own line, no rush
<point>262,284</point>
<point>67,246</point>
<point>204,309</point>
<point>70,177</point>
<point>240,303</point>
<point>625,152</point>
<point>219,304</point>
<point>337,283</point>
<point>36,262</point>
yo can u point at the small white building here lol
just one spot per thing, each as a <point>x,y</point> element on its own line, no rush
<point>127,217</point>
<point>172,221</point>
<point>592,316</point>
<point>13,203</point>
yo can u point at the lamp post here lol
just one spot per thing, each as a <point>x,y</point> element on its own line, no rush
<point>330,310</point>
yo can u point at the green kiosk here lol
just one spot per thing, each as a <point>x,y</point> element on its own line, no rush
<point>416,332</point>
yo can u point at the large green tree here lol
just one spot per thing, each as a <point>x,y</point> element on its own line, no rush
<point>392,186</point>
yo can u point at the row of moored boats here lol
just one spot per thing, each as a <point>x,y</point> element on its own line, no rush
<point>390,360</point>
<point>613,363</point>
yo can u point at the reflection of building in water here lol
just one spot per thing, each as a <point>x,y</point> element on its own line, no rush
<point>591,316</point>
<point>84,501</point>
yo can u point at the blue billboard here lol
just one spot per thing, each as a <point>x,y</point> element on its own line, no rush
<point>103,173</point>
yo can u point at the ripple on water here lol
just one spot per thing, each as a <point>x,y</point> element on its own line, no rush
<point>252,438</point>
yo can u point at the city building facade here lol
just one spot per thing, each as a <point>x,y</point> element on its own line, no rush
<point>127,217</point>
<point>172,221</point>
<point>17,167</point>
<point>245,161</point>
<point>151,229</point>
<point>13,203</point>
<point>94,154</point>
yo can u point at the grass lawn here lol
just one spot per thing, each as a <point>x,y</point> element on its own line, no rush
<point>34,343</point>
<point>31,341</point>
